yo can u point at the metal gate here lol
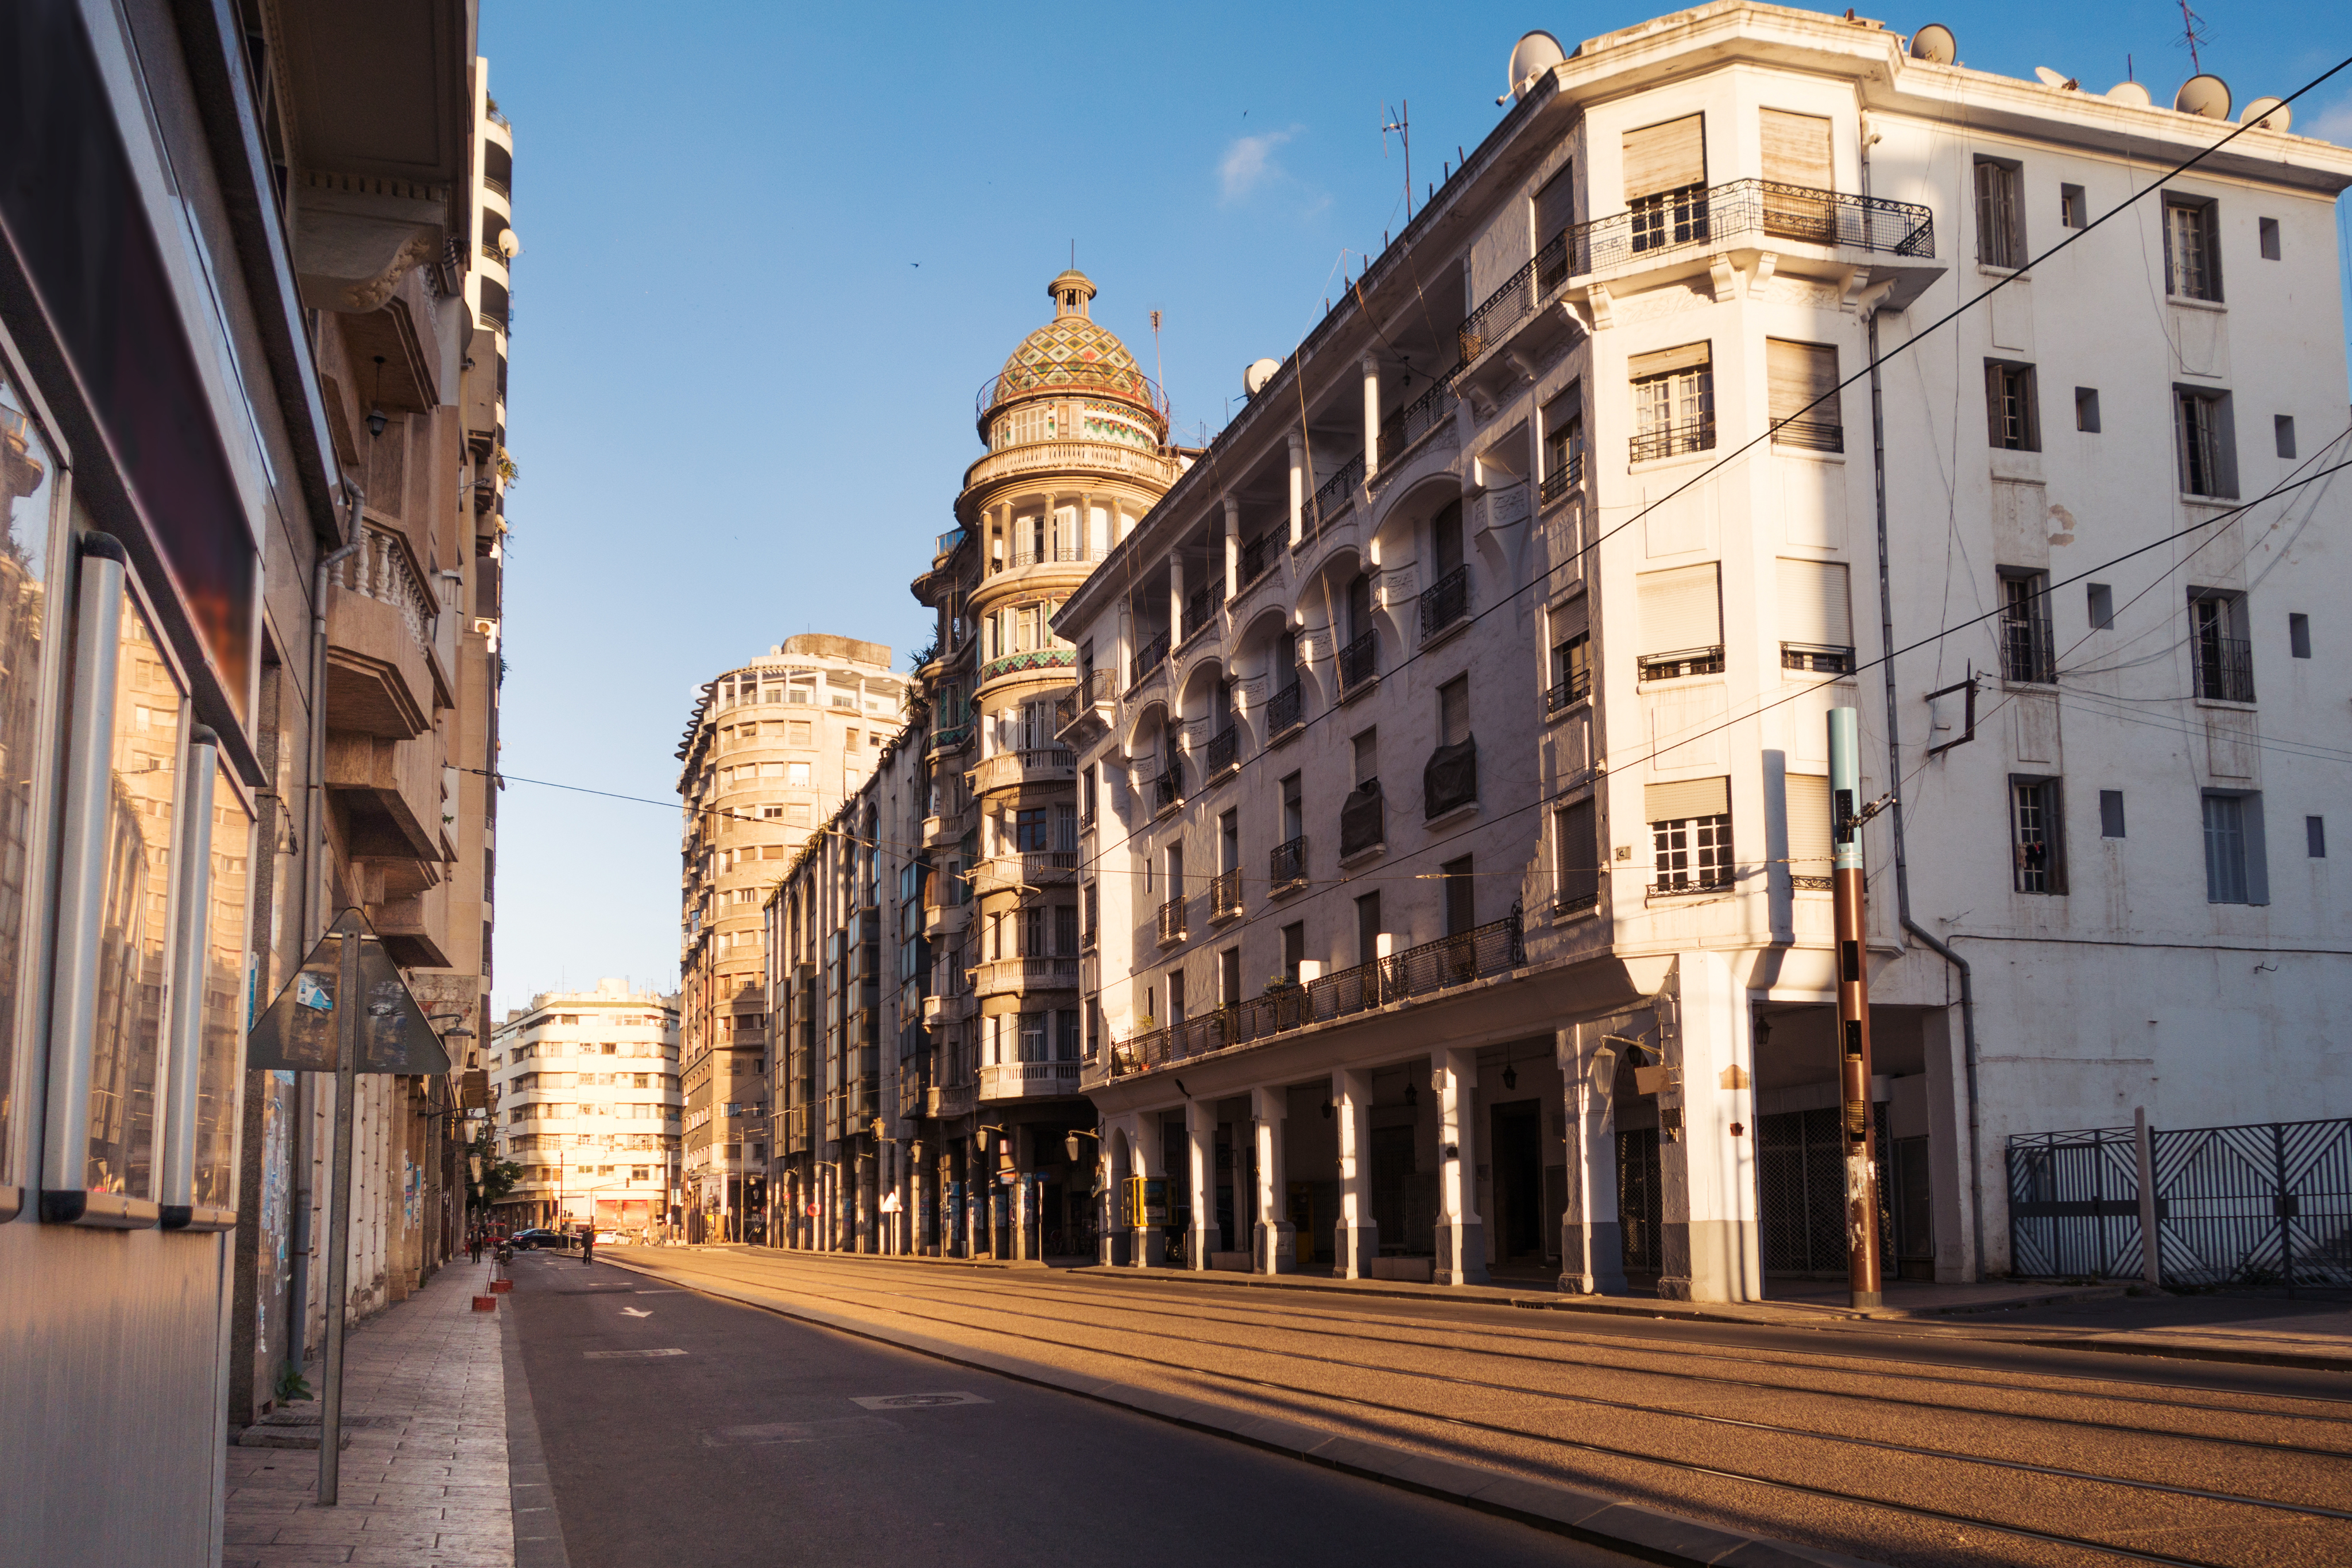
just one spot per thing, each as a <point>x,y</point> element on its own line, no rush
<point>1800,1190</point>
<point>2258,1206</point>
<point>1641,1201</point>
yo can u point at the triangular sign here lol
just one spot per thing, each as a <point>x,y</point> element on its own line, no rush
<point>298,1033</point>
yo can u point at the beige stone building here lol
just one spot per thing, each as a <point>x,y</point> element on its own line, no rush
<point>773,749</point>
<point>587,1092</point>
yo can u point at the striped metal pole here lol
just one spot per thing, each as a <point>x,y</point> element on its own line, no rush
<point>1853,1010</point>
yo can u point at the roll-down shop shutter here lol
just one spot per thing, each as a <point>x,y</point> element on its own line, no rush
<point>1681,609</point>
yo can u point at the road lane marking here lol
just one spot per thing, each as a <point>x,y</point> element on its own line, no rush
<point>633,1313</point>
<point>800,1431</point>
<point>915,1401</point>
<point>627,1354</point>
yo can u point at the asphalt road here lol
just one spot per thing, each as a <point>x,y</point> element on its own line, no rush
<point>1908,1448</point>
<point>746,1442</point>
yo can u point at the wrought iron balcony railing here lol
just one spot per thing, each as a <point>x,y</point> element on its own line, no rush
<point>1148,658</point>
<point>1575,689</point>
<point>1331,498</point>
<point>1286,865</point>
<point>1284,711</point>
<point>2225,668</point>
<point>1224,753</point>
<point>1167,786</point>
<point>1171,920</point>
<point>1682,662</point>
<point>1201,609</point>
<point>1673,440</point>
<point>1445,602</point>
<point>1811,434</point>
<point>1416,420</point>
<point>1225,895</point>
<point>1563,474</point>
<point>1258,555</point>
<point>1359,662</point>
<point>2028,655</point>
<point>1819,658</point>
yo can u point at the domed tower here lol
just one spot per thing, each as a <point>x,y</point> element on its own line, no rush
<point>1078,450</point>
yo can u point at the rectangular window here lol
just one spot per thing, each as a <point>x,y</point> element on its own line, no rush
<point>2315,837</point>
<point>1065,1034</point>
<point>2074,211</point>
<point>1454,711</point>
<point>2225,849</point>
<point>2298,637</point>
<point>2192,262</point>
<point>1555,206</point>
<point>1666,182</point>
<point>2000,213</point>
<point>2036,835</point>
<point>1797,149</point>
<point>2013,420</point>
<point>1674,401</point>
<point>1294,806</point>
<point>1563,433</point>
<point>1029,831</point>
<point>2111,813</point>
<point>1461,895</point>
<point>1175,996</point>
<point>1066,929</point>
<point>1571,670</point>
<point>1801,381</point>
<point>796,775</point>
<point>2209,459</point>
<point>2027,654</point>
<point>1690,834</point>
<point>2283,433</point>
<point>1576,844</point>
<point>26,508</point>
<point>1032,1037</point>
<point>2102,607</point>
<point>1812,854</point>
<point>1681,622</point>
<point>2086,409</point>
<point>2268,228</point>
<point>1294,949</point>
<point>1229,977</point>
<point>1367,927</point>
<point>1366,744</point>
<point>2220,650</point>
<point>1816,617</point>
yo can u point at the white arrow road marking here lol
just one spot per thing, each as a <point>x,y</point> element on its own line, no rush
<point>633,1313</point>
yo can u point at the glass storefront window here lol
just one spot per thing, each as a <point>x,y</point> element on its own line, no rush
<point>27,494</point>
<point>223,1029</point>
<point>135,926</point>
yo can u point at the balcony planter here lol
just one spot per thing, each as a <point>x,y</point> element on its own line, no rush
<point>1361,825</point>
<point>1450,780</point>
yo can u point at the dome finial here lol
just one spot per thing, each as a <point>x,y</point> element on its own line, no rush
<point>1071,291</point>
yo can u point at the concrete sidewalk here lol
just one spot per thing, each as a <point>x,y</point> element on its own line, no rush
<point>425,1480</point>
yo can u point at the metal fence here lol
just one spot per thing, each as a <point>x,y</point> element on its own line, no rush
<point>2259,1206</point>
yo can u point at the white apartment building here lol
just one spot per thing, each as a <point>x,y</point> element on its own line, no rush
<point>1455,886</point>
<point>584,1090</point>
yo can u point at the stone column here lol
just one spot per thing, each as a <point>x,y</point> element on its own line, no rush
<point>1592,1240</point>
<point>1274,1241</point>
<point>1200,1180</point>
<point>1232,548</point>
<point>1359,1234</point>
<point>1371,416</point>
<point>1175,601</point>
<point>1710,1240</point>
<point>1148,1247</point>
<point>1461,1234</point>
<point>1300,489</point>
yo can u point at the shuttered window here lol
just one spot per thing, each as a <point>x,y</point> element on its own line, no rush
<point>1674,401</point>
<point>1796,374</point>
<point>1685,798</point>
<point>1570,619</point>
<point>2000,215</point>
<point>1555,206</point>
<point>1816,616</point>
<point>1809,853</point>
<point>1681,609</point>
<point>1797,149</point>
<point>1660,158</point>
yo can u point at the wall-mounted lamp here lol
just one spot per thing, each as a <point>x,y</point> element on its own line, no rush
<point>375,419</point>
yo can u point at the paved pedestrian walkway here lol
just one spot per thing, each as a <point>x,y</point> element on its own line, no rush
<point>425,1480</point>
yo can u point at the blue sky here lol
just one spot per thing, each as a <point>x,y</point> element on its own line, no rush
<point>770,251</point>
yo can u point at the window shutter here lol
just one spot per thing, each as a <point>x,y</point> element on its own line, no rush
<point>1555,206</point>
<point>1680,608</point>
<point>1688,798</point>
<point>1814,607</point>
<point>1797,149</point>
<point>1570,619</point>
<point>1797,374</point>
<point>1810,851</point>
<point>1642,367</point>
<point>1665,157</point>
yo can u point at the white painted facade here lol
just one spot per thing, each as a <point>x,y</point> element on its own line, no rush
<point>2133,974</point>
<point>584,1090</point>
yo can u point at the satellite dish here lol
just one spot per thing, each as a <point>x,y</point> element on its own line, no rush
<point>2270,113</point>
<point>2053,78</point>
<point>2208,96</point>
<point>2129,93</point>
<point>1260,372</point>
<point>509,245</point>
<point>1532,56</point>
<point>1934,43</point>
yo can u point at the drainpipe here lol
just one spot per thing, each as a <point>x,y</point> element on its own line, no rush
<point>1871,306</point>
<point>313,798</point>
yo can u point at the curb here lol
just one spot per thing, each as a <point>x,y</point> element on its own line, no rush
<point>1590,1516</point>
<point>2159,1352</point>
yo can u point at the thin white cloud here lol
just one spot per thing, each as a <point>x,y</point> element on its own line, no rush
<point>1249,164</point>
<point>2333,123</point>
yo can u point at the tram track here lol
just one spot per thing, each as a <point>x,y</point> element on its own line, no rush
<point>1062,1334</point>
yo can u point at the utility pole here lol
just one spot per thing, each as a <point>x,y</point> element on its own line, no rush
<point>347,1008</point>
<point>1846,818</point>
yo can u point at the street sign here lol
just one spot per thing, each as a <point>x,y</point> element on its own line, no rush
<point>298,1032</point>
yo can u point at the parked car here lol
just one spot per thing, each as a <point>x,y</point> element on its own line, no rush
<point>611,1239</point>
<point>525,1241</point>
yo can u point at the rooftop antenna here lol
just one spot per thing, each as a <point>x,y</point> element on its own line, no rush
<point>2193,32</point>
<point>1403,125</point>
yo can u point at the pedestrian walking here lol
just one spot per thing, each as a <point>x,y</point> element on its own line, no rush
<point>478,1244</point>
<point>587,1245</point>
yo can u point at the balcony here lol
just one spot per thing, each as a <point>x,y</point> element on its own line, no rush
<point>1285,868</point>
<point>1167,787</point>
<point>1203,610</point>
<point>1482,953</point>
<point>945,919</point>
<point>1223,754</point>
<point>947,1101</point>
<point>1225,896</point>
<point>1682,662</point>
<point>1024,662</point>
<point>1809,434</point>
<point>1433,410</point>
<point>1067,456</point>
<point>1260,555</point>
<point>1567,693</point>
<point>1817,658</point>
<point>2028,656</point>
<point>950,737</point>
<point>1024,872</point>
<point>1010,769</point>
<point>1561,474</point>
<point>940,833</point>
<point>2224,667</point>
<point>1358,665</point>
<point>1002,977</point>
<point>1046,555</point>
<point>1171,920</point>
<point>1085,702</point>
<point>1148,660</point>
<point>1673,440</point>
<point>1284,711</point>
<point>1331,500</point>
<point>1578,890</point>
<point>1028,1080</point>
<point>945,1009</point>
<point>1445,603</point>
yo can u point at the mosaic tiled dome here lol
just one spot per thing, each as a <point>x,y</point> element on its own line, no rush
<point>1072,353</point>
